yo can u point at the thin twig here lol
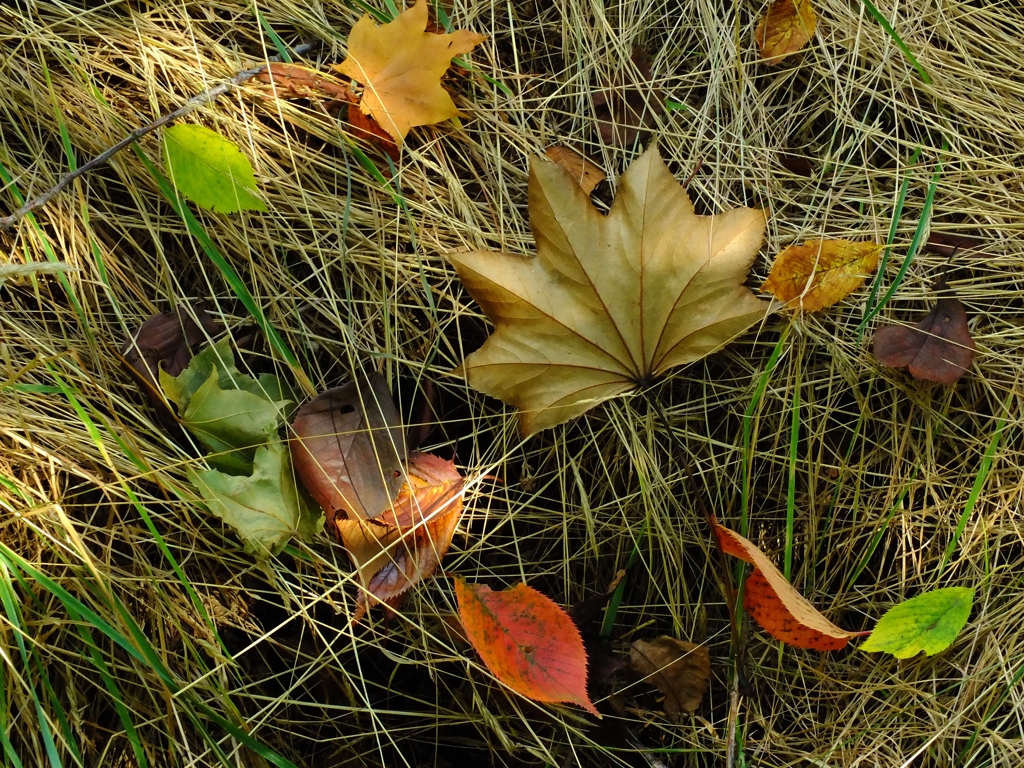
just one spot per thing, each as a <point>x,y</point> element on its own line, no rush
<point>102,159</point>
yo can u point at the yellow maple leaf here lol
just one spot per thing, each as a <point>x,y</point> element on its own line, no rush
<point>400,65</point>
<point>609,302</point>
<point>786,27</point>
<point>819,273</point>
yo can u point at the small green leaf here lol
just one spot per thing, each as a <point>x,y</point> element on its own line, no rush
<point>226,409</point>
<point>265,508</point>
<point>210,170</point>
<point>928,622</point>
<point>228,419</point>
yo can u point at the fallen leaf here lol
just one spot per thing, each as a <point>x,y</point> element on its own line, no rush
<point>627,108</point>
<point>366,128</point>
<point>819,273</point>
<point>401,65</point>
<point>928,622</point>
<point>167,341</point>
<point>680,670</point>
<point>413,536</point>
<point>229,412</point>
<point>349,449</point>
<point>584,170</point>
<point>293,81</point>
<point>610,302</point>
<point>939,348</point>
<point>786,27</point>
<point>266,508</point>
<point>209,170</point>
<point>948,245</point>
<point>527,642</point>
<point>781,611</point>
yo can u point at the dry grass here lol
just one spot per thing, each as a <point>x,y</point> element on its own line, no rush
<point>93,490</point>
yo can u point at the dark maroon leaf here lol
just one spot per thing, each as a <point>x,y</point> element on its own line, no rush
<point>939,348</point>
<point>349,449</point>
<point>627,109</point>
<point>796,164</point>
<point>168,339</point>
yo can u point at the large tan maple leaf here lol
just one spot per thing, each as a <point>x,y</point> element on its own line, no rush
<point>609,302</point>
<point>400,65</point>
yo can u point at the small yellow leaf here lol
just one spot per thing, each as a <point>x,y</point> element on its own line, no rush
<point>401,65</point>
<point>786,27</point>
<point>819,273</point>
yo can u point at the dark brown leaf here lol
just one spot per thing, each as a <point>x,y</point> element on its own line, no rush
<point>946,244</point>
<point>168,338</point>
<point>627,108</point>
<point>680,670</point>
<point>349,449</point>
<point>939,348</point>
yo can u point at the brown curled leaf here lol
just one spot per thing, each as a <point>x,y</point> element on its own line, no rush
<point>406,544</point>
<point>939,348</point>
<point>786,27</point>
<point>680,670</point>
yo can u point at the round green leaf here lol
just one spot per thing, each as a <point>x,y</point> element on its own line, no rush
<point>928,622</point>
<point>210,170</point>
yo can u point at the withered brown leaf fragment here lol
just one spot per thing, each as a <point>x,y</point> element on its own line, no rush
<point>293,81</point>
<point>939,348</point>
<point>680,670</point>
<point>349,449</point>
<point>627,108</point>
<point>585,171</point>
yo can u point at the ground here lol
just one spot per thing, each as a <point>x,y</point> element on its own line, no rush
<point>875,486</point>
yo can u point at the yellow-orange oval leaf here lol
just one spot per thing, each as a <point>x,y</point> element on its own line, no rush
<point>786,27</point>
<point>819,273</point>
<point>527,641</point>
<point>775,604</point>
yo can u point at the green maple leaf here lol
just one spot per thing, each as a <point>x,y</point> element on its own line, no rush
<point>266,508</point>
<point>928,622</point>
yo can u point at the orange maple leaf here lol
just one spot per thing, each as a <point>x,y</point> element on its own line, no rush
<point>401,65</point>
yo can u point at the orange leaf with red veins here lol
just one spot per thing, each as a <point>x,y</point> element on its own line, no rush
<point>819,273</point>
<point>406,544</point>
<point>400,65</point>
<point>775,604</point>
<point>527,641</point>
<point>786,27</point>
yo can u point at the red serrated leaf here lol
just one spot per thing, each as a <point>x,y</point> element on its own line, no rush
<point>527,641</point>
<point>775,604</point>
